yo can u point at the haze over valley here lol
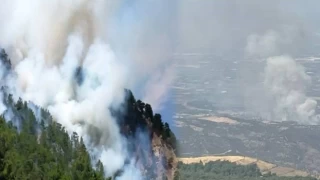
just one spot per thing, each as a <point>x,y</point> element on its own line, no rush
<point>254,90</point>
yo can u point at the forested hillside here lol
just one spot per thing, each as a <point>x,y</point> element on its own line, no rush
<point>33,148</point>
<point>41,150</point>
<point>223,170</point>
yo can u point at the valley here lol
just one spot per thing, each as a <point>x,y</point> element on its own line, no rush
<point>217,116</point>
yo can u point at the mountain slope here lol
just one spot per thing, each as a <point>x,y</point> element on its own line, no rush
<point>37,147</point>
<point>41,150</point>
<point>149,143</point>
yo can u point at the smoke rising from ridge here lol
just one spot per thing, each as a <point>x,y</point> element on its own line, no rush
<point>284,80</point>
<point>48,41</point>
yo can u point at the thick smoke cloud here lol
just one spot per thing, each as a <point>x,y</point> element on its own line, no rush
<point>48,41</point>
<point>285,81</point>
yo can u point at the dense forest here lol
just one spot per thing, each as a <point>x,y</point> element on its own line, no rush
<point>33,149</point>
<point>42,149</point>
<point>223,170</point>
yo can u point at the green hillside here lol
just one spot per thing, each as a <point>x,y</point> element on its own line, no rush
<point>25,153</point>
<point>223,170</point>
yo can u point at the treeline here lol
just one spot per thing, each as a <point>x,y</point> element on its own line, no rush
<point>223,170</point>
<point>139,115</point>
<point>41,150</point>
<point>136,117</point>
<point>36,147</point>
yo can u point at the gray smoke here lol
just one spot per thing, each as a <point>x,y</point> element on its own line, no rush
<point>285,84</point>
<point>47,49</point>
<point>285,81</point>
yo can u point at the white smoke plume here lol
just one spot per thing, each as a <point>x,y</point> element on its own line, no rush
<point>48,40</point>
<point>284,80</point>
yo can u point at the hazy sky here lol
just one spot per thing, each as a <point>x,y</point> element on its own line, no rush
<point>206,25</point>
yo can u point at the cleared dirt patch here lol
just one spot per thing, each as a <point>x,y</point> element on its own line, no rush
<point>219,119</point>
<point>196,128</point>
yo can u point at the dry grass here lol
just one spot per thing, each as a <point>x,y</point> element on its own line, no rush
<point>265,167</point>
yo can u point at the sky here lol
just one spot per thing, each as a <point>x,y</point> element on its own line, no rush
<point>223,26</point>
